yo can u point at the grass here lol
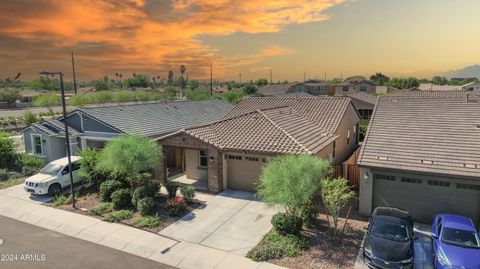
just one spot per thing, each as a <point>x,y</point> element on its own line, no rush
<point>148,222</point>
<point>120,215</point>
<point>62,200</point>
<point>102,208</point>
<point>9,183</point>
<point>274,246</point>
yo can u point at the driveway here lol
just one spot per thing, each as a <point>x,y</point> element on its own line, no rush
<point>422,246</point>
<point>232,221</point>
<point>17,191</point>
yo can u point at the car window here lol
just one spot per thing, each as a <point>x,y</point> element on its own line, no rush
<point>75,167</point>
<point>394,230</point>
<point>460,238</point>
<point>51,169</point>
<point>439,226</point>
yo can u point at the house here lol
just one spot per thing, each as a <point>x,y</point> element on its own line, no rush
<point>355,85</point>
<point>364,103</point>
<point>274,89</point>
<point>472,86</point>
<point>434,87</point>
<point>385,89</point>
<point>231,152</point>
<point>421,154</point>
<point>93,127</point>
<point>415,92</point>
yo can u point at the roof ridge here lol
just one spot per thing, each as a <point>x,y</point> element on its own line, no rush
<point>285,132</point>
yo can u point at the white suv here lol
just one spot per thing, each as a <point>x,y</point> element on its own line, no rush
<point>53,177</point>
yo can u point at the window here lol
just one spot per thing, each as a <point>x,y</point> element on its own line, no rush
<point>333,150</point>
<point>345,88</point>
<point>383,177</point>
<point>233,157</point>
<point>468,186</point>
<point>252,159</point>
<point>363,88</point>
<point>300,88</point>
<point>203,160</point>
<point>37,147</point>
<point>348,137</point>
<point>411,180</point>
<point>439,227</point>
<point>365,114</point>
<point>439,183</point>
<point>75,167</point>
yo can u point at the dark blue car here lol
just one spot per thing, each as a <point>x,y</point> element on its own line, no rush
<point>455,242</point>
<point>389,239</point>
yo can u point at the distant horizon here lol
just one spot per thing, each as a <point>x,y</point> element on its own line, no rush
<point>335,38</point>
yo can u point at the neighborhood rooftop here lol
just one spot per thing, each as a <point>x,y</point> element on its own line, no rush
<point>424,134</point>
<point>159,118</point>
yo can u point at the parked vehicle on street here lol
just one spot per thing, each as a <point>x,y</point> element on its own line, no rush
<point>53,177</point>
<point>389,239</point>
<point>456,243</point>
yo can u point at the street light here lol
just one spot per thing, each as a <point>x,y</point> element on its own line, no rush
<point>67,138</point>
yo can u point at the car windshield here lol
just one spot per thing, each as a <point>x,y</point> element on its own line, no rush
<point>460,238</point>
<point>391,229</point>
<point>51,169</point>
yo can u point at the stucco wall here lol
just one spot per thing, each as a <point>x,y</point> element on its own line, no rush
<point>193,171</point>
<point>342,149</point>
<point>366,192</point>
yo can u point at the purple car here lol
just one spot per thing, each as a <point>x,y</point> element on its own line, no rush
<point>455,242</point>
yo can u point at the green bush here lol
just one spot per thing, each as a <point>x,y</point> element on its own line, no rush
<point>29,164</point>
<point>148,222</point>
<point>3,175</point>
<point>102,208</point>
<point>107,188</point>
<point>122,199</point>
<point>172,187</point>
<point>60,200</point>
<point>188,193</point>
<point>285,224</point>
<point>275,246</point>
<point>146,206</point>
<point>118,216</point>
<point>176,207</point>
<point>310,214</point>
<point>30,118</point>
<point>149,189</point>
<point>92,176</point>
<point>7,151</point>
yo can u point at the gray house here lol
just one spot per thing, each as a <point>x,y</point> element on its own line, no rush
<point>93,127</point>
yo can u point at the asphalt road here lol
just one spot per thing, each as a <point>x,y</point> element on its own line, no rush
<point>24,246</point>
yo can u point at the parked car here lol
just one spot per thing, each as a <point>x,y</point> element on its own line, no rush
<point>53,177</point>
<point>455,242</point>
<point>389,239</point>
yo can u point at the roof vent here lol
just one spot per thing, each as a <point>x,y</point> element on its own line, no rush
<point>383,158</point>
<point>477,126</point>
<point>467,165</point>
<point>427,162</point>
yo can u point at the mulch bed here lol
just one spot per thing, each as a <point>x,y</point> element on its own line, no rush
<point>328,253</point>
<point>86,202</point>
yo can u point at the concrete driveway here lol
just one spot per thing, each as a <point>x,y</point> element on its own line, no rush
<point>422,246</point>
<point>232,221</point>
<point>17,191</point>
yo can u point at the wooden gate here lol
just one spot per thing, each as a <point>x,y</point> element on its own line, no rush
<point>351,172</point>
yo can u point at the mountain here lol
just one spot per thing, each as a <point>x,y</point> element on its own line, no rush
<point>472,71</point>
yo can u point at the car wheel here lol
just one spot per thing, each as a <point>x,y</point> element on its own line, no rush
<point>55,189</point>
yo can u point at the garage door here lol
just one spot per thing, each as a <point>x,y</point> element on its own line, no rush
<point>425,197</point>
<point>243,172</point>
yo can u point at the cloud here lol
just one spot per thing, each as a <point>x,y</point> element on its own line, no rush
<point>144,34</point>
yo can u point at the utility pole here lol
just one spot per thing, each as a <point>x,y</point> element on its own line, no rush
<point>67,137</point>
<point>240,77</point>
<point>325,76</point>
<point>74,78</point>
<point>211,79</point>
<point>271,82</point>
<point>304,76</point>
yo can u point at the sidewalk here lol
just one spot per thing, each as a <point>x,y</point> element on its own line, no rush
<point>155,247</point>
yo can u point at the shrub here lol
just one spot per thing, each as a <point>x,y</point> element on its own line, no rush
<point>3,175</point>
<point>107,188</point>
<point>310,214</point>
<point>275,245</point>
<point>29,164</point>
<point>285,223</point>
<point>7,150</point>
<point>146,206</point>
<point>122,199</point>
<point>188,193</point>
<point>30,118</point>
<point>102,208</point>
<point>149,189</point>
<point>176,206</point>
<point>60,200</point>
<point>148,222</point>
<point>172,187</point>
<point>118,216</point>
<point>88,169</point>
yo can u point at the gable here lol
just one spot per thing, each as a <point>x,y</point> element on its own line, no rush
<point>83,122</point>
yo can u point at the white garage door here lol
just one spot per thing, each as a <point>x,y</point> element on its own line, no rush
<point>424,197</point>
<point>243,172</point>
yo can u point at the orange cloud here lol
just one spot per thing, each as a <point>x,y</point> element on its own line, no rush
<point>148,35</point>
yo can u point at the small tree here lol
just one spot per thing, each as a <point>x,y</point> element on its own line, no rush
<point>101,85</point>
<point>10,96</point>
<point>249,89</point>
<point>7,151</point>
<point>193,85</point>
<point>292,181</point>
<point>335,194</point>
<point>129,155</point>
<point>48,101</point>
<point>262,82</point>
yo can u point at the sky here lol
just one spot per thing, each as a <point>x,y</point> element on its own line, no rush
<point>319,38</point>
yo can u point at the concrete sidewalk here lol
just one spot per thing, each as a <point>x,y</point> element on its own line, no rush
<point>155,247</point>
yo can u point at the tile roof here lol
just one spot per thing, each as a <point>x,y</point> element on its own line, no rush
<point>424,134</point>
<point>275,88</point>
<point>433,87</point>
<point>365,97</point>
<point>273,130</point>
<point>326,112</point>
<point>54,127</point>
<point>412,92</point>
<point>155,119</point>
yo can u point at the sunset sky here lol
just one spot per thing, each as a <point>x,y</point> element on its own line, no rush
<point>396,37</point>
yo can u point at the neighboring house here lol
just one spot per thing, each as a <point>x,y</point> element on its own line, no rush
<point>433,87</point>
<point>385,90</point>
<point>274,89</point>
<point>355,85</point>
<point>419,93</point>
<point>318,87</point>
<point>472,86</point>
<point>231,152</point>
<point>364,103</point>
<point>93,127</point>
<point>421,154</point>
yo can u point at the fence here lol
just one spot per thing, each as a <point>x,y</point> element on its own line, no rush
<point>349,171</point>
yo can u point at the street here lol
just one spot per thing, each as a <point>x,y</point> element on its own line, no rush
<point>24,246</point>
